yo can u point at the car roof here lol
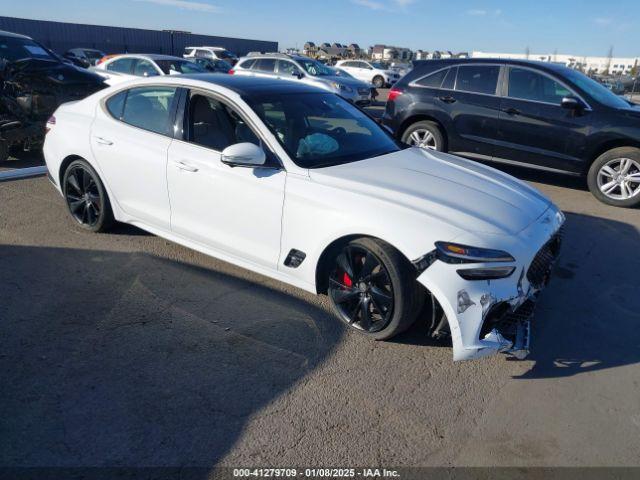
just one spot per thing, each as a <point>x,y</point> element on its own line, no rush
<point>150,56</point>
<point>13,35</point>
<point>556,67</point>
<point>249,86</point>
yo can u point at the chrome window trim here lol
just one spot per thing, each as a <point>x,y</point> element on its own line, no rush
<point>455,84</point>
<point>545,74</point>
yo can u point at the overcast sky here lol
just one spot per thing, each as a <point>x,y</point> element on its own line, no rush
<point>568,26</point>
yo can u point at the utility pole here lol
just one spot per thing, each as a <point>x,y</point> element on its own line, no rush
<point>609,57</point>
<point>527,52</point>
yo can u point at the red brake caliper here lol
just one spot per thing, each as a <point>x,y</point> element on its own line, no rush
<point>346,280</point>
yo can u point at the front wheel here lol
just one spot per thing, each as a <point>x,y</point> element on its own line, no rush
<point>378,81</point>
<point>373,288</point>
<point>614,177</point>
<point>86,197</point>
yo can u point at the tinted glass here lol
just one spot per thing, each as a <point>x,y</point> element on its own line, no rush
<point>214,125</point>
<point>434,80</point>
<point>287,68</point>
<point>595,90</point>
<point>529,85</point>
<point>319,129</point>
<point>115,104</point>
<point>14,49</point>
<point>265,65</point>
<point>123,65</point>
<point>144,68</point>
<point>150,108</point>
<point>478,78</point>
<point>248,63</point>
<point>315,68</point>
<point>450,80</point>
<point>179,66</point>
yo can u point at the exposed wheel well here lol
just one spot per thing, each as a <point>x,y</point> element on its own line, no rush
<point>605,147</point>
<point>419,118</point>
<point>63,166</point>
<point>324,262</point>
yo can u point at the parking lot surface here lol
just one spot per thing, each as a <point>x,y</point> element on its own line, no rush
<point>124,349</point>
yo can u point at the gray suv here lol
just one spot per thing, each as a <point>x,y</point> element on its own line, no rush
<point>297,68</point>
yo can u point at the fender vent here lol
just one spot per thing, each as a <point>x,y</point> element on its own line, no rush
<point>295,258</point>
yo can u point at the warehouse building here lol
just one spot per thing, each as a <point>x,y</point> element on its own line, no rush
<point>61,36</point>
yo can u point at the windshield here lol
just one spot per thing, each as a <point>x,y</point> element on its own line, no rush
<point>596,90</point>
<point>379,65</point>
<point>94,54</point>
<point>180,66</point>
<point>315,68</point>
<point>13,49</point>
<point>225,54</point>
<point>321,129</point>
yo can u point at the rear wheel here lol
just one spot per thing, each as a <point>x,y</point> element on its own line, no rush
<point>378,81</point>
<point>86,197</point>
<point>373,288</point>
<point>614,177</point>
<point>424,134</point>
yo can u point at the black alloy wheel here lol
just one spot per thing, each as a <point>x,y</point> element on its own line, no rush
<point>86,198</point>
<point>360,288</point>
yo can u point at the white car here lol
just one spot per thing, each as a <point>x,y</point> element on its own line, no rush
<point>299,185</point>
<point>371,72</point>
<point>211,52</point>
<point>120,68</point>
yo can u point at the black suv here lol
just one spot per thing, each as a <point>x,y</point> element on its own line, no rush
<point>533,114</point>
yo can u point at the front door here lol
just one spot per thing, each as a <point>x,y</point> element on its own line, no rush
<point>130,139</point>
<point>535,129</point>
<point>237,211</point>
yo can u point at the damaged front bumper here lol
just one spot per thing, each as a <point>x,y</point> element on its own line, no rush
<point>494,316</point>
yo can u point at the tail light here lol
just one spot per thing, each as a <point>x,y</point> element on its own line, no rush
<point>231,72</point>
<point>50,123</point>
<point>393,94</point>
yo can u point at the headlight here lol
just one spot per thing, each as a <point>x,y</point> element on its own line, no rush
<point>455,253</point>
<point>342,88</point>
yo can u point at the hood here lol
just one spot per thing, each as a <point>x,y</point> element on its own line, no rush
<point>470,196</point>
<point>60,73</point>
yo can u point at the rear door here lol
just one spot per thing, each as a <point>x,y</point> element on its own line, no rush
<point>534,128</point>
<point>264,67</point>
<point>473,107</point>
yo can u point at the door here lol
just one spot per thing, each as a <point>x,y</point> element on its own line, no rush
<point>264,67</point>
<point>238,210</point>
<point>473,108</point>
<point>535,129</point>
<point>362,71</point>
<point>289,71</point>
<point>130,138</point>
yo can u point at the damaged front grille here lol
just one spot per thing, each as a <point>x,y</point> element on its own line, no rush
<point>501,318</point>
<point>540,269</point>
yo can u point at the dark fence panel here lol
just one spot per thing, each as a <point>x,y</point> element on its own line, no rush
<point>60,37</point>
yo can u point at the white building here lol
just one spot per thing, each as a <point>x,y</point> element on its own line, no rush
<point>615,65</point>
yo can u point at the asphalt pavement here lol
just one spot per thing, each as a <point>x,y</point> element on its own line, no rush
<point>124,349</point>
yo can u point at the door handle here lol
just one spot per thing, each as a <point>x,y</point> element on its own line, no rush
<point>103,141</point>
<point>186,167</point>
<point>512,111</point>
<point>448,99</point>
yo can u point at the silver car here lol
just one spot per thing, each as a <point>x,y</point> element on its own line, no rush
<point>298,68</point>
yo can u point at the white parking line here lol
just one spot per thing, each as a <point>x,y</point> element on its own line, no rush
<point>19,173</point>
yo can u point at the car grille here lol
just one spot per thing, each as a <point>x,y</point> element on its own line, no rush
<point>364,91</point>
<point>540,268</point>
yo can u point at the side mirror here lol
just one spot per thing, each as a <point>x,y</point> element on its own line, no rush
<point>571,103</point>
<point>296,74</point>
<point>243,155</point>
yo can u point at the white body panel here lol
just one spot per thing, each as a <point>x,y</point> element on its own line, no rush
<point>369,73</point>
<point>254,217</point>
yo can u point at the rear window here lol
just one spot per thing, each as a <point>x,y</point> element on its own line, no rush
<point>433,80</point>
<point>149,108</point>
<point>478,78</point>
<point>247,63</point>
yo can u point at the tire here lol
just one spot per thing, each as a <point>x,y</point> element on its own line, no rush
<point>86,197</point>
<point>378,81</point>
<point>369,275</point>
<point>614,177</point>
<point>424,134</point>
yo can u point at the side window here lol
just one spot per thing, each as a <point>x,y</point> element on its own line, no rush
<point>204,54</point>
<point>433,80</point>
<point>347,64</point>
<point>188,51</point>
<point>214,125</point>
<point>248,64</point>
<point>115,104</point>
<point>450,80</point>
<point>287,68</point>
<point>123,65</point>
<point>526,84</point>
<point>150,108</point>
<point>267,65</point>
<point>144,68</point>
<point>478,78</point>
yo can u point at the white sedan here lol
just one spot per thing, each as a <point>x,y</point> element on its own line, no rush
<point>299,185</point>
<point>377,73</point>
<point>119,68</point>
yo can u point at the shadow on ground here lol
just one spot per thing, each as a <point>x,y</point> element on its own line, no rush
<point>588,316</point>
<point>115,359</point>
